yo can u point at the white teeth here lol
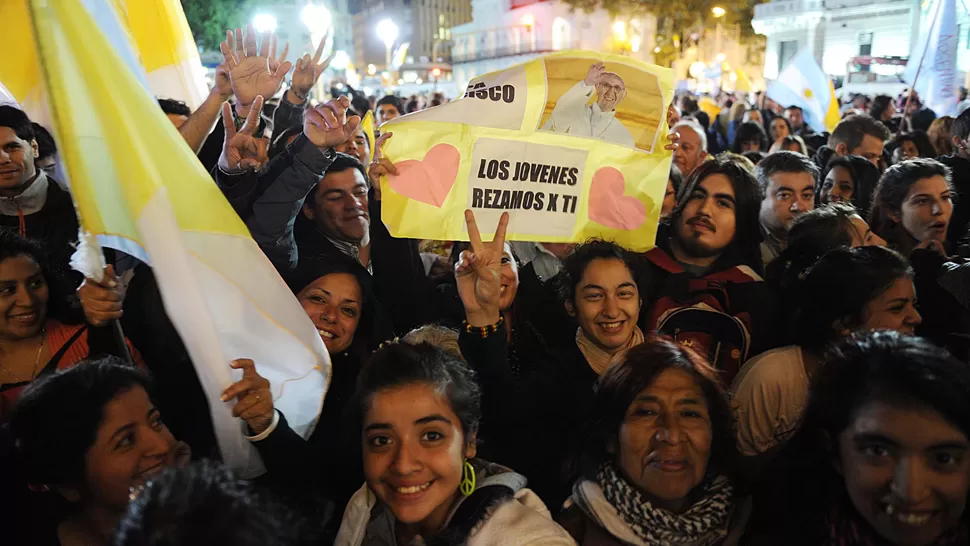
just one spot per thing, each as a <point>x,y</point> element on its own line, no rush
<point>326,334</point>
<point>413,489</point>
<point>908,518</point>
<point>612,324</point>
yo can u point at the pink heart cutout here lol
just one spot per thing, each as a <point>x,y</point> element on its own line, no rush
<point>609,207</point>
<point>428,180</point>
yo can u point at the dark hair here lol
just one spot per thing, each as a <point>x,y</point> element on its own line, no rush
<point>401,364</point>
<point>341,163</point>
<point>886,366</point>
<point>784,161</point>
<point>865,177</point>
<point>175,107</point>
<point>811,235</point>
<point>636,370</point>
<point>852,130</point>
<point>279,140</point>
<point>46,147</point>
<point>922,119</point>
<point>782,118</point>
<point>879,106</point>
<point>755,156</point>
<point>13,245</point>
<point>891,192</point>
<point>797,141</point>
<point>690,104</point>
<point>575,264</point>
<point>747,197</point>
<point>204,503</point>
<point>676,178</point>
<point>750,131</point>
<point>835,291</point>
<point>919,139</point>
<point>961,125</point>
<point>57,418</point>
<point>702,118</point>
<point>393,101</point>
<point>17,120</point>
<point>793,107</point>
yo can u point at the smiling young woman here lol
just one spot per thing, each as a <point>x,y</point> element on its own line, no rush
<point>418,408</point>
<point>86,438</point>
<point>884,454</point>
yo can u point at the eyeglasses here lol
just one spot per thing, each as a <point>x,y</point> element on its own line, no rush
<point>605,88</point>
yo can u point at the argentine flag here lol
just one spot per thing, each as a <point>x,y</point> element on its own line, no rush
<point>803,83</point>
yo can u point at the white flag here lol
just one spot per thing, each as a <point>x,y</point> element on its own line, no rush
<point>936,50</point>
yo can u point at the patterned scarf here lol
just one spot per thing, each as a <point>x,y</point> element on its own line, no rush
<point>658,526</point>
<point>598,359</point>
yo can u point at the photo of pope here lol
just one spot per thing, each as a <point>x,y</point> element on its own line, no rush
<point>573,116</point>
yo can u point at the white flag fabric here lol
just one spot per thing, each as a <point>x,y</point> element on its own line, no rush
<point>803,84</point>
<point>937,82</point>
<point>138,188</point>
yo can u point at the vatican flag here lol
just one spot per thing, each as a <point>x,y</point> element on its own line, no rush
<point>367,125</point>
<point>139,189</point>
<point>157,35</point>
<point>803,83</point>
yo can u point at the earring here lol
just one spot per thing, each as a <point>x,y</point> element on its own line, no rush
<point>468,479</point>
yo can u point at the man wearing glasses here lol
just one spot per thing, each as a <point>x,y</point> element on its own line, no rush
<point>573,116</point>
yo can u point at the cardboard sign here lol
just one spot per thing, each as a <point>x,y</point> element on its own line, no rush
<point>571,145</point>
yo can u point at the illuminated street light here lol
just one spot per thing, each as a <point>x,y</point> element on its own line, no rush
<point>656,49</point>
<point>718,11</point>
<point>316,18</point>
<point>619,30</point>
<point>371,70</point>
<point>340,60</point>
<point>264,22</point>
<point>387,32</point>
<point>528,20</point>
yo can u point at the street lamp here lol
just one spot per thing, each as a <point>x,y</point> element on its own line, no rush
<point>316,18</point>
<point>264,22</point>
<point>387,32</point>
<point>718,11</point>
<point>341,60</point>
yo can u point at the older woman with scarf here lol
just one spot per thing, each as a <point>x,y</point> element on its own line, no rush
<point>533,416</point>
<point>659,460</point>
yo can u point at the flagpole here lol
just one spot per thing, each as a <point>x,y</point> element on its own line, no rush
<point>919,68</point>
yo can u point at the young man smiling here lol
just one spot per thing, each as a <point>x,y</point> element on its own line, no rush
<point>703,284</point>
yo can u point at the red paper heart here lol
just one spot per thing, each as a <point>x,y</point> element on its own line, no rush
<point>609,207</point>
<point>428,180</point>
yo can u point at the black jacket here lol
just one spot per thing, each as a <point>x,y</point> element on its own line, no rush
<point>530,421</point>
<point>959,229</point>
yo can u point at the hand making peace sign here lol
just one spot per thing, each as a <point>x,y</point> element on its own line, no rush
<point>242,150</point>
<point>478,273</point>
<point>308,70</point>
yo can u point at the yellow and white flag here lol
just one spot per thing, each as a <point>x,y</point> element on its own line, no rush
<point>139,189</point>
<point>158,37</point>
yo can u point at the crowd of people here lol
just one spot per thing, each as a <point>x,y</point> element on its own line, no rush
<point>787,365</point>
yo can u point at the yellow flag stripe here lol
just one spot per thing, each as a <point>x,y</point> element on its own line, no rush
<point>161,33</point>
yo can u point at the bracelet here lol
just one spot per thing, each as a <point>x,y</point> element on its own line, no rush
<point>297,95</point>
<point>484,331</point>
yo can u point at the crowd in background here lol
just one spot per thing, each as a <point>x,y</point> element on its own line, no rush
<point>787,365</point>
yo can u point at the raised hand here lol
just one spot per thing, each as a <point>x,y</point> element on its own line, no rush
<point>478,273</point>
<point>253,73</point>
<point>254,400</point>
<point>223,83</point>
<point>327,125</point>
<point>308,70</point>
<point>595,71</point>
<point>242,150</point>
<point>102,301</point>
<point>380,166</point>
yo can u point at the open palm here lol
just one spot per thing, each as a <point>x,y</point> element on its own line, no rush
<point>253,73</point>
<point>478,273</point>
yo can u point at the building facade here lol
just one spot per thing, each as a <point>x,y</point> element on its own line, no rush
<point>505,33</point>
<point>424,25</point>
<point>839,30</point>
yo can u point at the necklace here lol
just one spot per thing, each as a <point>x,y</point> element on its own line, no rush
<point>40,350</point>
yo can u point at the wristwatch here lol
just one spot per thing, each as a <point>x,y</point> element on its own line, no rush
<point>329,154</point>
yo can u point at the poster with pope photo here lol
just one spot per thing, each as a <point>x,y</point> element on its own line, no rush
<point>570,144</point>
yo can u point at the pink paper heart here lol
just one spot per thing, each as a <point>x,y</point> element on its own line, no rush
<point>428,180</point>
<point>609,207</point>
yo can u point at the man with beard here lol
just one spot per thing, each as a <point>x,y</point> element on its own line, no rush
<point>573,116</point>
<point>703,282</point>
<point>788,181</point>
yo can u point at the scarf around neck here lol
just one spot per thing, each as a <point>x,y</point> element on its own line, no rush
<point>655,525</point>
<point>598,359</point>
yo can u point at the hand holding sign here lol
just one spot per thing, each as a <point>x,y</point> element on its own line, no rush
<point>478,273</point>
<point>380,166</point>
